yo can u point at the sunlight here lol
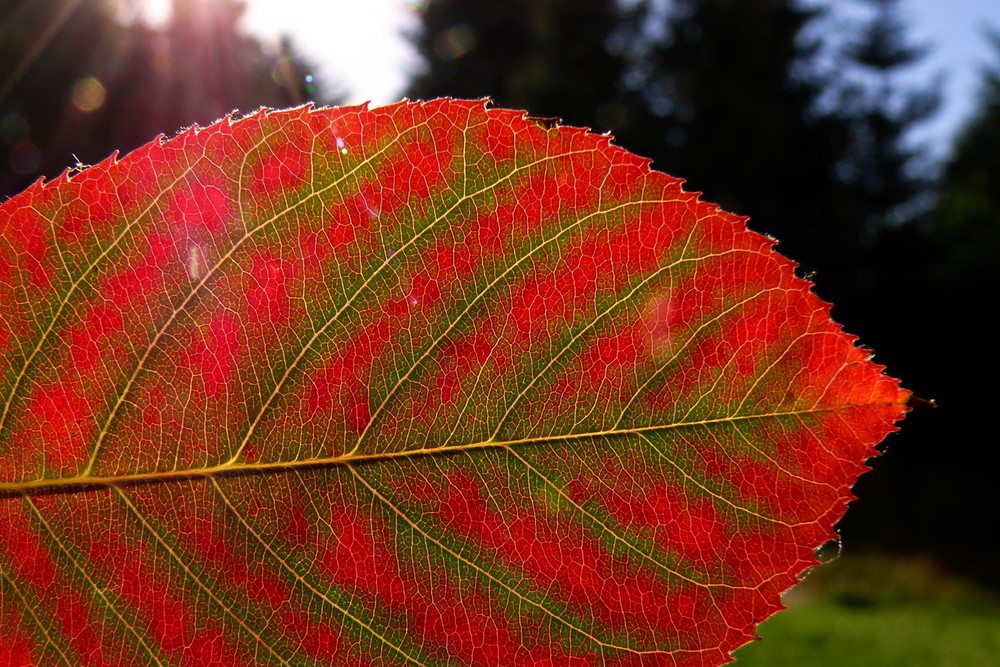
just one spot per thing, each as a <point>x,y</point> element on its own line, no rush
<point>357,48</point>
<point>154,11</point>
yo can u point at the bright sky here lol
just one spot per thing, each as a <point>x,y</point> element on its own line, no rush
<point>955,29</point>
<point>359,44</point>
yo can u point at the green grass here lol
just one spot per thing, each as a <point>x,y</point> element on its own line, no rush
<point>873,611</point>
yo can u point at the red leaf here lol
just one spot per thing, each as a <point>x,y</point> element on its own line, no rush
<point>408,385</point>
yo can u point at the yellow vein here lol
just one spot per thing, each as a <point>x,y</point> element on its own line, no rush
<point>262,467</point>
<point>210,274</point>
<point>305,582</point>
<point>55,237</point>
<point>93,585</point>
<point>569,345</point>
<point>757,380</point>
<point>677,353</point>
<point>849,426</point>
<point>723,374</point>
<point>834,376</point>
<point>319,333</point>
<point>194,577</point>
<point>30,608</point>
<point>482,293</point>
<point>73,287</point>
<point>708,491</point>
<point>618,538</point>
<point>459,557</point>
<point>780,468</point>
<point>777,360</point>
<point>684,346</point>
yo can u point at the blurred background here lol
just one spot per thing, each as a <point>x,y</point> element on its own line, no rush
<point>863,134</point>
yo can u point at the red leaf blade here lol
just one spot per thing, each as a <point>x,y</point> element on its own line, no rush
<point>407,385</point>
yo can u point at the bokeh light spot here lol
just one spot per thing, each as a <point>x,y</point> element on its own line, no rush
<point>455,42</point>
<point>283,71</point>
<point>88,94</point>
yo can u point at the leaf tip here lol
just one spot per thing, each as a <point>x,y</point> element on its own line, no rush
<point>913,401</point>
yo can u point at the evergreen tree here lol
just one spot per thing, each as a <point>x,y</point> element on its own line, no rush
<point>960,304</point>
<point>819,157</point>
<point>551,57</point>
<point>930,317</point>
<point>737,86</point>
<point>888,177</point>
<point>722,95</point>
<point>967,216</point>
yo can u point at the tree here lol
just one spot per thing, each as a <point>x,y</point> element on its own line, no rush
<point>968,210</point>
<point>738,87</point>
<point>930,317</point>
<point>551,57</point>
<point>888,177</point>
<point>83,78</point>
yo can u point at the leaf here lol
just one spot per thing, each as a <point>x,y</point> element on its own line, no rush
<point>425,384</point>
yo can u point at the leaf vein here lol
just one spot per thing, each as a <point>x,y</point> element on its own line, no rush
<point>173,317</point>
<point>302,580</point>
<point>194,577</point>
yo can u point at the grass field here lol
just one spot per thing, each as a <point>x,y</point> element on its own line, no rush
<point>883,613</point>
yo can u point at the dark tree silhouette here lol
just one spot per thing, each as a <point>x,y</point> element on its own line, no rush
<point>551,57</point>
<point>928,308</point>
<point>737,87</point>
<point>968,211</point>
<point>889,177</point>
<point>81,78</point>
<point>727,95</point>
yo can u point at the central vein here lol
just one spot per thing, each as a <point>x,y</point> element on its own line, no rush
<point>84,481</point>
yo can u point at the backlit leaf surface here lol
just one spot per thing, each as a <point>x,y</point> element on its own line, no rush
<point>426,384</point>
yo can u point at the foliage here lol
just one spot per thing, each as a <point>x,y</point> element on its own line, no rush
<point>551,57</point>
<point>734,97</point>
<point>887,176</point>
<point>968,213</point>
<point>945,273</point>
<point>880,611</point>
<point>416,384</point>
<point>737,88</point>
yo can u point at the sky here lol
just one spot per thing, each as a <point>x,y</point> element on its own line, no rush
<point>359,46</point>
<point>960,50</point>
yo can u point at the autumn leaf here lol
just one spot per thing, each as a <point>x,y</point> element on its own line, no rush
<point>424,384</point>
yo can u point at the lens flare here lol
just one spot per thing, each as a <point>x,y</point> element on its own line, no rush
<point>88,94</point>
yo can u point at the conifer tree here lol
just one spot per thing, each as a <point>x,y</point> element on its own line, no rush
<point>931,317</point>
<point>738,87</point>
<point>967,216</point>
<point>551,57</point>
<point>888,176</point>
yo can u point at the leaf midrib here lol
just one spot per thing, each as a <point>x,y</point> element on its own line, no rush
<point>84,482</point>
